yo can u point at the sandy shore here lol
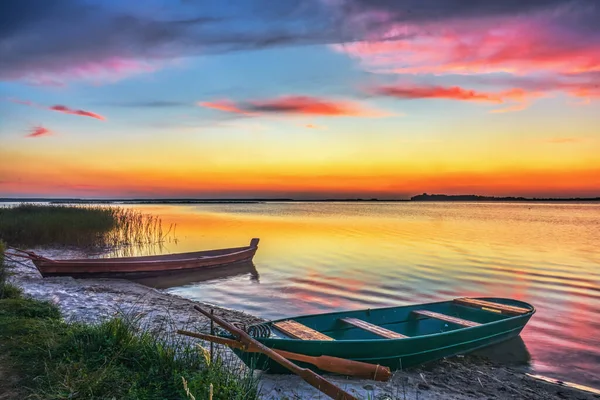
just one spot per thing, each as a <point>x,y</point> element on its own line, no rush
<point>469,377</point>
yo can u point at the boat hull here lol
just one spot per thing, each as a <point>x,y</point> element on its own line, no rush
<point>400,353</point>
<point>146,266</point>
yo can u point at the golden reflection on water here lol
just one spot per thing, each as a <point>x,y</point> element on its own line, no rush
<point>316,257</point>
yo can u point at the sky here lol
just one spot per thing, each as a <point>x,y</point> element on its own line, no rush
<point>299,99</point>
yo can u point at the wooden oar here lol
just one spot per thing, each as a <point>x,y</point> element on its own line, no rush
<point>326,363</point>
<point>309,376</point>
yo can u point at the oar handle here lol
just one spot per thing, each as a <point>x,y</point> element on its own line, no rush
<point>325,363</point>
<point>309,376</point>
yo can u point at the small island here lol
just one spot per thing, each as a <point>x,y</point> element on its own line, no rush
<point>474,197</point>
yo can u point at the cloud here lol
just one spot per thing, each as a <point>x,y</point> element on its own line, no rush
<point>542,46</point>
<point>309,106</point>
<point>38,131</point>
<point>59,108</point>
<point>106,41</point>
<point>438,92</point>
<point>518,97</point>
<point>475,37</point>
<point>295,105</point>
<point>223,105</point>
<point>83,113</point>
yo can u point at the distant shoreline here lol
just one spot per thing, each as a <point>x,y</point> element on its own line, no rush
<point>419,198</point>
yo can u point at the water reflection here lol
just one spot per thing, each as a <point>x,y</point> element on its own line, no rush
<point>185,278</point>
<point>318,257</point>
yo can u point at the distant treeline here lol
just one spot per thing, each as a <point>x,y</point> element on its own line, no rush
<point>474,197</point>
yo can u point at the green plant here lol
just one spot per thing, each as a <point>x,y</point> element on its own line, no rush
<point>7,290</point>
<point>77,225</point>
<point>114,359</point>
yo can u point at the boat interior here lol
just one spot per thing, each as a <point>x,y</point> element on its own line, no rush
<point>400,322</point>
<point>175,256</point>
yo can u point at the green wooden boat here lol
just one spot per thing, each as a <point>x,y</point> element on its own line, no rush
<point>395,337</point>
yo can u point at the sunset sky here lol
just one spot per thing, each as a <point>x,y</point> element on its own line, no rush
<point>302,99</point>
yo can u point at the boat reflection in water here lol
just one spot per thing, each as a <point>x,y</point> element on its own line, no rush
<point>511,352</point>
<point>183,278</point>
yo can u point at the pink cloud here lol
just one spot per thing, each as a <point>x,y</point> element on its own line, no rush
<point>515,45</point>
<point>38,131</point>
<point>109,70</point>
<point>301,105</point>
<point>59,108</point>
<point>519,98</point>
<point>83,113</point>
<point>223,105</point>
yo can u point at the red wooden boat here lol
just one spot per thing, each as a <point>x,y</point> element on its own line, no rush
<point>144,266</point>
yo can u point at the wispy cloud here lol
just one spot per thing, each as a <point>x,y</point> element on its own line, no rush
<point>83,113</point>
<point>296,105</point>
<point>518,98</point>
<point>410,92</point>
<point>59,108</point>
<point>38,131</point>
<point>223,105</point>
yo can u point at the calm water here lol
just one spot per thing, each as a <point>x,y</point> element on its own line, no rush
<point>317,257</point>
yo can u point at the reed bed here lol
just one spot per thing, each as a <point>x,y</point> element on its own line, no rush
<point>79,225</point>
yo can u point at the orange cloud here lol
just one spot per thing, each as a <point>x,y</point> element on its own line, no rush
<point>38,131</point>
<point>302,105</point>
<point>83,113</point>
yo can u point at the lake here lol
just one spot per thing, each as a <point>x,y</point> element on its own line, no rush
<point>318,257</point>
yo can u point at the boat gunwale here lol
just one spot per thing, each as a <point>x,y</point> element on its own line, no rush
<point>122,260</point>
<point>379,340</point>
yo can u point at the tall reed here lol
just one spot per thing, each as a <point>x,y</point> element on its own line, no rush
<point>79,225</point>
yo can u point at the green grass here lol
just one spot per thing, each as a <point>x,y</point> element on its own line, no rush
<point>82,226</point>
<point>47,358</point>
<point>56,360</point>
<point>7,290</point>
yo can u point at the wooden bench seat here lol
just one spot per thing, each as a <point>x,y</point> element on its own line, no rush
<point>491,306</point>
<point>447,318</point>
<point>377,330</point>
<point>299,331</point>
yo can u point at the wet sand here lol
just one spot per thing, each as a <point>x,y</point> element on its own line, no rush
<point>480,376</point>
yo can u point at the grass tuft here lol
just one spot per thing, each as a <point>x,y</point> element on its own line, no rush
<point>28,308</point>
